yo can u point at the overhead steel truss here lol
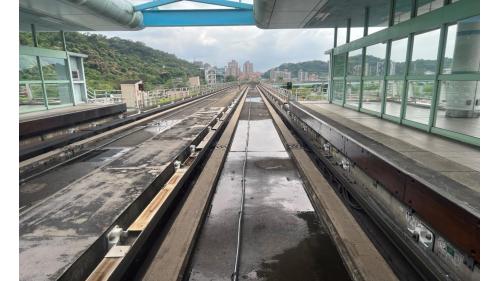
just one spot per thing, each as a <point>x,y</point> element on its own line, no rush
<point>233,13</point>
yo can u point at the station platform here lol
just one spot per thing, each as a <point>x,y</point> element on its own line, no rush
<point>40,122</point>
<point>459,162</point>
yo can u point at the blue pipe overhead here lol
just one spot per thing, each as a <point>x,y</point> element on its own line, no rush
<point>209,17</point>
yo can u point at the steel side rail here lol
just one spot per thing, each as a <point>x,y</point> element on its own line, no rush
<point>458,223</point>
<point>174,252</point>
<point>119,257</point>
<point>360,256</point>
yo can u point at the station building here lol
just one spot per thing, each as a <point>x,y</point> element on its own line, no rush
<point>413,62</point>
<point>50,78</point>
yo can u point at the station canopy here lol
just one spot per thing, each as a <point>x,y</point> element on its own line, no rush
<point>107,15</point>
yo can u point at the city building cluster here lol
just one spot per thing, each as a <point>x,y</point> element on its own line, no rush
<point>232,70</point>
<point>277,75</point>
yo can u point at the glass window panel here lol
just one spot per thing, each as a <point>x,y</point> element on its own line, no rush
<point>424,54</point>
<point>462,53</point>
<point>402,11</point>
<point>356,33</point>
<point>50,40</point>
<point>341,36</point>
<point>28,68</point>
<point>354,63</point>
<point>458,107</point>
<point>54,68</point>
<point>375,60</point>
<point>394,97</point>
<point>31,97</point>
<point>339,65</point>
<point>418,102</point>
<point>398,57</point>
<point>373,93</point>
<point>352,93</point>
<point>76,70</point>
<point>25,39</point>
<point>425,6</point>
<point>58,94</point>
<point>378,17</point>
<point>338,90</point>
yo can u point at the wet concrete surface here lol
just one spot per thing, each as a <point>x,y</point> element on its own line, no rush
<point>45,185</point>
<point>282,237</point>
<point>63,222</point>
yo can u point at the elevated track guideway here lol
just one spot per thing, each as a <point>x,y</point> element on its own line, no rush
<point>256,210</point>
<point>225,187</point>
<point>67,210</point>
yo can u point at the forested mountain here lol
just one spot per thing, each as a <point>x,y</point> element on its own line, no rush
<point>314,66</point>
<point>111,60</point>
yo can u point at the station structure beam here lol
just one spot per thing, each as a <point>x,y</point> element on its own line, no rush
<point>212,17</point>
<point>237,14</point>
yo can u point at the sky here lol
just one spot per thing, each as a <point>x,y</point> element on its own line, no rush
<point>219,45</point>
<point>265,48</point>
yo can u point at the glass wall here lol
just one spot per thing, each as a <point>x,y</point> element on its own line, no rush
<point>373,94</point>
<point>402,10</point>
<point>432,85</point>
<point>458,109</point>
<point>378,17</point>
<point>397,63</point>
<point>352,93</point>
<point>339,65</point>
<point>341,36</point>
<point>354,63</point>
<point>424,53</point>
<point>394,97</point>
<point>375,60</point>
<point>356,33</point>
<point>45,78</point>
<point>425,6</point>
<point>338,91</point>
<point>373,77</point>
<point>418,101</point>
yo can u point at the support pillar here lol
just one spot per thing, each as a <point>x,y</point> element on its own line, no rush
<point>461,96</point>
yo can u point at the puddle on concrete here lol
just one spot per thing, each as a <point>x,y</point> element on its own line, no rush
<point>295,263</point>
<point>253,99</point>
<point>161,125</point>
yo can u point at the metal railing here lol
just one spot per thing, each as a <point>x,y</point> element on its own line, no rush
<point>298,94</point>
<point>152,98</point>
<point>104,96</point>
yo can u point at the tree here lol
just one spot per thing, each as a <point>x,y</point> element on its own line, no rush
<point>230,78</point>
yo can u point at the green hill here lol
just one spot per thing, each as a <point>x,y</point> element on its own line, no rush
<point>314,66</point>
<point>111,60</point>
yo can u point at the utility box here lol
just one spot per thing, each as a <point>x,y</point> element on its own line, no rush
<point>132,93</point>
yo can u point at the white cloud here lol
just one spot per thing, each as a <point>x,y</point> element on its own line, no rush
<point>219,45</point>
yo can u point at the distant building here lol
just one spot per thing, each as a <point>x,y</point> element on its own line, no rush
<point>302,76</point>
<point>198,63</point>
<point>232,69</point>
<point>210,75</point>
<point>194,81</point>
<point>313,77</point>
<point>248,68</point>
<point>278,75</point>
